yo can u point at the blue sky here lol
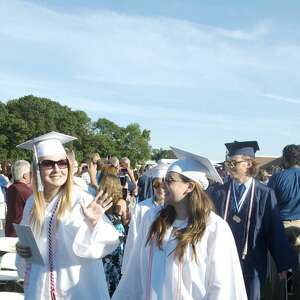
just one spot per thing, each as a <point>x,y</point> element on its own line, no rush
<point>196,73</point>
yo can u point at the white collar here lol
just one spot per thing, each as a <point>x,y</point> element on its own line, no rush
<point>246,184</point>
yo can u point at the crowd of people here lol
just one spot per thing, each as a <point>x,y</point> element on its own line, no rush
<point>183,230</point>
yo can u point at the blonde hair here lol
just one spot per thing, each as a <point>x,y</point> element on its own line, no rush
<point>38,210</point>
<point>199,207</point>
<point>109,169</point>
<point>111,185</point>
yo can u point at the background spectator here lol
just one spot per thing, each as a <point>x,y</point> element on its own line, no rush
<point>17,194</point>
<point>119,216</point>
<point>286,185</point>
<point>4,183</point>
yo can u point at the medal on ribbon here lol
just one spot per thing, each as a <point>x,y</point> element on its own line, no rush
<point>236,218</point>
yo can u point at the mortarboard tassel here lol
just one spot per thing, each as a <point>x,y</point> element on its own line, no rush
<point>40,186</point>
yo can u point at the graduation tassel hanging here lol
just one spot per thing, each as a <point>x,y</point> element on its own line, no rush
<point>40,186</point>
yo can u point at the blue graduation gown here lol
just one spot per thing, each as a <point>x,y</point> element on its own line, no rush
<point>266,233</point>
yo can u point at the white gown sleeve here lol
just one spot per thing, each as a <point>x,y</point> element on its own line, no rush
<point>131,285</point>
<point>131,238</point>
<point>103,239</point>
<point>225,278</point>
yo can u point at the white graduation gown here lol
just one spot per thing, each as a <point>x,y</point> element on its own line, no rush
<point>216,276</point>
<point>78,268</point>
<point>136,218</point>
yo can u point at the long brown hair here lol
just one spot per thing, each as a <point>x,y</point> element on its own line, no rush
<point>199,207</point>
<point>38,210</point>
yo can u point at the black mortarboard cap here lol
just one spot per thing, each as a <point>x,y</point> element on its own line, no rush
<point>247,148</point>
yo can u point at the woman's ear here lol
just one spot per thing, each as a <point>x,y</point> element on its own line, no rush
<point>190,187</point>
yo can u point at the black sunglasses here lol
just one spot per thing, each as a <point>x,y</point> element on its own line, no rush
<point>50,164</point>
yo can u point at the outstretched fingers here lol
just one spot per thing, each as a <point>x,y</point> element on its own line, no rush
<point>107,204</point>
<point>84,210</point>
<point>104,200</point>
<point>99,196</point>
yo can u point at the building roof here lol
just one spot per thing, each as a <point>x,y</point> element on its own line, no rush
<point>267,161</point>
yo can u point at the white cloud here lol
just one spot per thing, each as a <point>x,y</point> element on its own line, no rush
<point>282,99</point>
<point>108,63</point>
<point>87,48</point>
<point>112,48</point>
<point>257,33</point>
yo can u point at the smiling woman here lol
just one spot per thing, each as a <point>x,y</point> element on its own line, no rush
<point>181,246</point>
<point>54,172</point>
<point>68,226</point>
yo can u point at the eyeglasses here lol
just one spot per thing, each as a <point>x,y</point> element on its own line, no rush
<point>50,164</point>
<point>233,163</point>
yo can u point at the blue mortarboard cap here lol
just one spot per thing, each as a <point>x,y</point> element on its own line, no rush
<point>247,148</point>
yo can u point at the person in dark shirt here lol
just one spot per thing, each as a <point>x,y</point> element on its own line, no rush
<point>16,195</point>
<point>286,185</point>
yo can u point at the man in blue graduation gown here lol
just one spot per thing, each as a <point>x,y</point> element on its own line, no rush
<point>251,210</point>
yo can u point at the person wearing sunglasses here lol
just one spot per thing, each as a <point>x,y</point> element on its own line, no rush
<point>251,210</point>
<point>183,249</point>
<point>69,226</point>
<point>156,177</point>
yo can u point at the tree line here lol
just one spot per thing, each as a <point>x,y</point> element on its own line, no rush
<point>29,116</point>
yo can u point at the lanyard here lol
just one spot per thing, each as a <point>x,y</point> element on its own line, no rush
<point>236,204</point>
<point>245,250</point>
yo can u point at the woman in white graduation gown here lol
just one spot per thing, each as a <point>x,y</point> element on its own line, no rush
<point>184,250</point>
<point>156,178</point>
<point>69,226</point>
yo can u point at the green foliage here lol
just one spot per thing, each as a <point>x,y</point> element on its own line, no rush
<point>3,137</point>
<point>27,117</point>
<point>158,154</point>
<point>128,141</point>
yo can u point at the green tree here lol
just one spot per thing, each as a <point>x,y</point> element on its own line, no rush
<point>109,137</point>
<point>136,144</point>
<point>31,116</point>
<point>27,117</point>
<point>128,141</point>
<point>3,135</point>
